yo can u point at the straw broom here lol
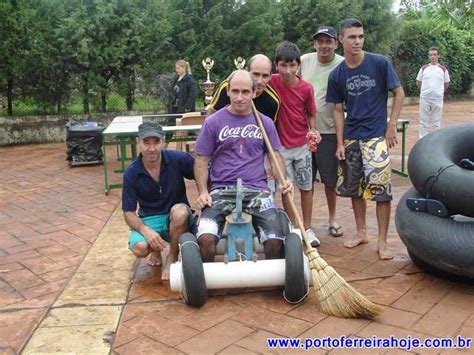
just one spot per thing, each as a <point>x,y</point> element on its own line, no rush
<point>335,295</point>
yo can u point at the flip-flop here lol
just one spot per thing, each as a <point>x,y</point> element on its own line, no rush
<point>336,231</point>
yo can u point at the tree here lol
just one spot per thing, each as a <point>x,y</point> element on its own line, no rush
<point>457,13</point>
<point>14,46</point>
<point>46,75</point>
<point>301,19</point>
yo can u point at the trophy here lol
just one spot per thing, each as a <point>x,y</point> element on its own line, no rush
<point>208,85</point>
<point>239,62</point>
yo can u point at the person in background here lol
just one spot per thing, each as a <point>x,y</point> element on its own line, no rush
<point>184,89</point>
<point>266,100</point>
<point>433,81</point>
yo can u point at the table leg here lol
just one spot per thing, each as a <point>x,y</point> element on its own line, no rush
<point>401,171</point>
<point>104,154</point>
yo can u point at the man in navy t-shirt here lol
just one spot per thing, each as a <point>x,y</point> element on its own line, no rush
<point>154,183</point>
<point>361,84</point>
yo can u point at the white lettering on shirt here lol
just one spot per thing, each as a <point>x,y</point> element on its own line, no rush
<point>248,131</point>
<point>358,84</point>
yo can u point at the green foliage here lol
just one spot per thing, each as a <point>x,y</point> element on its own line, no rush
<point>300,19</point>
<point>109,53</point>
<point>411,51</point>
<point>456,13</point>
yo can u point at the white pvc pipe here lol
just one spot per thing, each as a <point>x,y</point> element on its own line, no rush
<point>238,274</point>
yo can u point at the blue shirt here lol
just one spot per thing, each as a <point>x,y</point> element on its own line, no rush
<point>364,92</point>
<point>155,198</point>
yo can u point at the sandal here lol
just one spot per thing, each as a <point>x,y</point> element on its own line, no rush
<point>336,231</point>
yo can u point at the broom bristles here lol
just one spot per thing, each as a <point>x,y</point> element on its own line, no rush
<point>335,295</point>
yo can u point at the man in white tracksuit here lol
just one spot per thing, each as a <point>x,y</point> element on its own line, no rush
<point>432,80</point>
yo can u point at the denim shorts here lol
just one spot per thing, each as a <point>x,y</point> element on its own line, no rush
<point>298,166</point>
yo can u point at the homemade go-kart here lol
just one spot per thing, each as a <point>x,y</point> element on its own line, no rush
<point>336,297</point>
<point>192,278</point>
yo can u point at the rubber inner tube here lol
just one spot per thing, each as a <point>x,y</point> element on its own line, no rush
<point>435,168</point>
<point>444,244</point>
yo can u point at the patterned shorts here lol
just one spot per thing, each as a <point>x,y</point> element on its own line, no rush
<point>259,204</point>
<point>366,170</point>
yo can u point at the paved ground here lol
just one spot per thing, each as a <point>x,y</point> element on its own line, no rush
<point>67,283</point>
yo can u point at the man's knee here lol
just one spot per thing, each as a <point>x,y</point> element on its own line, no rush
<point>179,214</point>
<point>207,242</point>
<point>273,249</point>
<point>140,250</point>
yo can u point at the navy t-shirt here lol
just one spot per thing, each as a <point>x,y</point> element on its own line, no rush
<point>157,198</point>
<point>364,92</point>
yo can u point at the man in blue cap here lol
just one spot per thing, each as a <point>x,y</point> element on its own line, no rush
<point>154,201</point>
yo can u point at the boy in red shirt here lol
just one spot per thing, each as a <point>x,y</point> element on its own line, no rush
<point>296,119</point>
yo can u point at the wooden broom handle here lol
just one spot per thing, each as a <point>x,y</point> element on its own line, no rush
<point>281,176</point>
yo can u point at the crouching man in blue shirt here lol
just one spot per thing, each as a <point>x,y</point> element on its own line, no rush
<point>155,183</point>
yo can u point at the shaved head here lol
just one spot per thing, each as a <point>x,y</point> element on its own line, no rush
<point>260,66</point>
<point>260,59</point>
<point>241,75</point>
<point>241,89</point>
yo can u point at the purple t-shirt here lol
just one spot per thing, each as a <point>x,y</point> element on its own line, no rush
<point>236,147</point>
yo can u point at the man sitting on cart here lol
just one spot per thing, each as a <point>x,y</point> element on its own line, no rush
<point>233,141</point>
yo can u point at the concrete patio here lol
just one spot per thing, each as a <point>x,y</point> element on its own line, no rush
<point>69,285</point>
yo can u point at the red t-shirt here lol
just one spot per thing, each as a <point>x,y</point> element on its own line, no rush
<point>297,103</point>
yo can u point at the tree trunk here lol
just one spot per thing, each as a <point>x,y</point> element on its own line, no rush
<point>129,100</point>
<point>103,101</point>
<point>10,96</point>
<point>85,95</point>
<point>130,95</point>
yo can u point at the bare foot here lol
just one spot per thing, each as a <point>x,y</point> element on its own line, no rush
<point>165,270</point>
<point>384,253</point>
<point>355,241</point>
<point>154,259</point>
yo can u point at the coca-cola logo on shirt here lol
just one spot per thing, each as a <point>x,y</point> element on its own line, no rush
<point>248,131</point>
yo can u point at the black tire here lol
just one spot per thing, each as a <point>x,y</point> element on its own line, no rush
<point>296,287</point>
<point>434,171</point>
<point>440,273</point>
<point>444,244</point>
<point>195,292</point>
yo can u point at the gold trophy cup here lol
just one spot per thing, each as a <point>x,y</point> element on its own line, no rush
<point>207,86</point>
<point>239,63</point>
